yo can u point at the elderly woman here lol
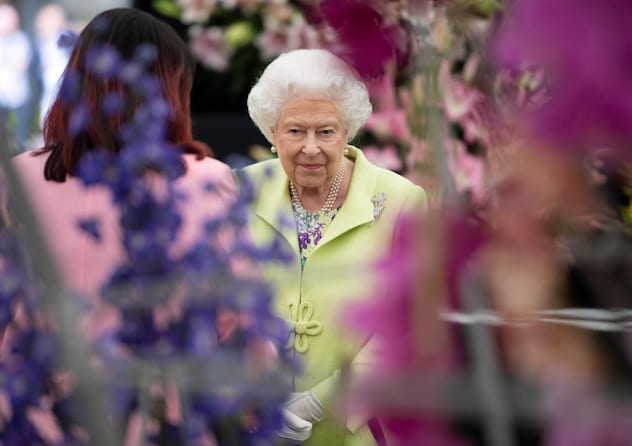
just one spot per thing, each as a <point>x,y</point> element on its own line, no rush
<point>335,212</point>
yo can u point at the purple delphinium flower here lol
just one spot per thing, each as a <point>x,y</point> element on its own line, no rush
<point>584,49</point>
<point>79,119</point>
<point>103,61</point>
<point>67,39</point>
<point>113,104</point>
<point>91,226</point>
<point>187,311</point>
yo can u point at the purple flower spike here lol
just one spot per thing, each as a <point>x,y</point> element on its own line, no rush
<point>131,72</point>
<point>146,53</point>
<point>79,119</point>
<point>584,48</point>
<point>112,104</point>
<point>104,61</point>
<point>67,39</point>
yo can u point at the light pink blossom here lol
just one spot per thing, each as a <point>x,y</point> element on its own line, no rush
<point>209,47</point>
<point>385,157</point>
<point>468,171</point>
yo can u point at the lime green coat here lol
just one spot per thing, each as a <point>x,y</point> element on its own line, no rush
<point>336,274</point>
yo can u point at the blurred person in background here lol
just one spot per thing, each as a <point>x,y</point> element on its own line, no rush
<point>50,23</point>
<point>337,214</point>
<point>16,54</point>
<point>51,175</point>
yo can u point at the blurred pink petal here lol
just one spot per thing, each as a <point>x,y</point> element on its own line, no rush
<point>363,36</point>
<point>274,41</point>
<point>468,171</point>
<point>459,98</point>
<point>45,423</point>
<point>385,157</point>
<point>209,47</point>
<point>390,123</point>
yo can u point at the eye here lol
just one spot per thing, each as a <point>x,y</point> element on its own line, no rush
<point>294,131</point>
<point>327,132</point>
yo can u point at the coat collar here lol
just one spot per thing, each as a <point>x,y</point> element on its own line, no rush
<point>274,205</point>
<point>357,208</point>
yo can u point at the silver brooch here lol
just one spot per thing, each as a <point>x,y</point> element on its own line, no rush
<point>378,205</point>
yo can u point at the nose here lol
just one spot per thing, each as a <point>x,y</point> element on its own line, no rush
<point>311,145</point>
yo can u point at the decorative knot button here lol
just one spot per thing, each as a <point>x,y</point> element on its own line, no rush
<point>300,327</point>
<point>303,325</point>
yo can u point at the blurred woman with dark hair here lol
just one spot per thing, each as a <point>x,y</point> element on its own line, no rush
<point>124,195</point>
<point>130,32</point>
<point>128,79</point>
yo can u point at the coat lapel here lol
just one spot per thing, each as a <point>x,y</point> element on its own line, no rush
<point>357,208</point>
<point>274,205</point>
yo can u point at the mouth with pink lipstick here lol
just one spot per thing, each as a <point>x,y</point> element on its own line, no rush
<point>311,166</point>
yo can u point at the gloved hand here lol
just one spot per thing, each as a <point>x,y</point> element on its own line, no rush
<point>294,428</point>
<point>306,405</point>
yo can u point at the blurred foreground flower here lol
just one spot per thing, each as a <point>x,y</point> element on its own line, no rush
<point>583,49</point>
<point>186,347</point>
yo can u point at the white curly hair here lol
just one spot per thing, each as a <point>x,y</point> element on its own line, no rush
<point>312,73</point>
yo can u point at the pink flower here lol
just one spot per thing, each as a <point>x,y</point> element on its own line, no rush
<point>279,38</point>
<point>412,342</point>
<point>209,47</point>
<point>459,98</point>
<point>382,92</point>
<point>364,38</point>
<point>275,41</point>
<point>468,171</point>
<point>389,123</point>
<point>385,157</point>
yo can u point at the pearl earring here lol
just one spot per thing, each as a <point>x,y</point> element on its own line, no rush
<point>273,149</point>
<point>346,151</point>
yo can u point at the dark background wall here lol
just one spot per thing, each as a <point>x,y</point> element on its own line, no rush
<point>218,104</point>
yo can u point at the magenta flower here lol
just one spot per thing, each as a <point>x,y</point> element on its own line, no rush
<point>364,37</point>
<point>584,48</point>
<point>406,324</point>
<point>410,264</point>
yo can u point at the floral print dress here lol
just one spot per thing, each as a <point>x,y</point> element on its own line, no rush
<point>310,227</point>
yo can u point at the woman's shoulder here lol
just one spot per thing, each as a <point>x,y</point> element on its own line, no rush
<point>30,161</point>
<point>260,169</point>
<point>195,164</point>
<point>207,171</point>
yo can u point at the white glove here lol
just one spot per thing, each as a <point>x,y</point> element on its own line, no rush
<point>294,428</point>
<point>306,405</point>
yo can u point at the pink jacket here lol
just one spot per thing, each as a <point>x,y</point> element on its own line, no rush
<point>84,263</point>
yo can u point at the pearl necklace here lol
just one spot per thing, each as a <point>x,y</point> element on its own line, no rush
<point>330,201</point>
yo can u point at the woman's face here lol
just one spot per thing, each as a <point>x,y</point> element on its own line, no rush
<point>310,139</point>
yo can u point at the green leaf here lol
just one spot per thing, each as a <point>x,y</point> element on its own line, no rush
<point>168,8</point>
